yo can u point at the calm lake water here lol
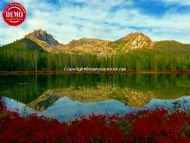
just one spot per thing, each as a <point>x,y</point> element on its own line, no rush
<point>68,96</point>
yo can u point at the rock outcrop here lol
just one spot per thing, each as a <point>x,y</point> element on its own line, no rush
<point>138,40</point>
<point>43,39</point>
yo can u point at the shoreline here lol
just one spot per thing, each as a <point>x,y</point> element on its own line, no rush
<point>92,72</point>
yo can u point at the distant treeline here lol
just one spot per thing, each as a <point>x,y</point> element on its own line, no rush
<point>25,56</point>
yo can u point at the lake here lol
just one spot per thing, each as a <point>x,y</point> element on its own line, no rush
<point>68,96</point>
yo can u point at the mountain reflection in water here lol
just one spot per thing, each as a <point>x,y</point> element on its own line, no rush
<point>64,96</point>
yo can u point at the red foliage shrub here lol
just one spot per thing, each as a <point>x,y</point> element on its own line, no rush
<point>98,129</point>
<point>157,126</point>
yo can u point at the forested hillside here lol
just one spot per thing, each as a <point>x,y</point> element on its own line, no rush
<point>27,55</point>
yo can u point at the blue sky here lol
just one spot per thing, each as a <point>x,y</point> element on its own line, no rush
<point>104,19</point>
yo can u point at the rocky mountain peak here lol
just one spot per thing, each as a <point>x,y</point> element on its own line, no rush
<point>137,40</point>
<point>42,38</point>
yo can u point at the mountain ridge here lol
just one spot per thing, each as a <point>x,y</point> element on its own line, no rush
<point>132,41</point>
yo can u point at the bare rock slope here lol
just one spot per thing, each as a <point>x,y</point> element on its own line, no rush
<point>91,46</point>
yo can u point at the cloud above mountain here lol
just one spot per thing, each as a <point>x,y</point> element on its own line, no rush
<point>103,19</point>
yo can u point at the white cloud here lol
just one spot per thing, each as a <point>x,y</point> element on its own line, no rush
<point>95,21</point>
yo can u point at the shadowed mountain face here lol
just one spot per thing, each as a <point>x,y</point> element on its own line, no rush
<point>43,39</point>
<point>42,36</point>
<point>24,44</point>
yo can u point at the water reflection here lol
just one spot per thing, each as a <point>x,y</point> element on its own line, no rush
<point>65,109</point>
<point>127,96</point>
<point>63,96</point>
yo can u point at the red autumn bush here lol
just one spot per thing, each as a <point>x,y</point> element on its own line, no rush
<point>156,126</point>
<point>159,126</point>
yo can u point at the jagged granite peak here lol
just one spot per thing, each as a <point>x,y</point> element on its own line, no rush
<point>136,40</point>
<point>42,38</point>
